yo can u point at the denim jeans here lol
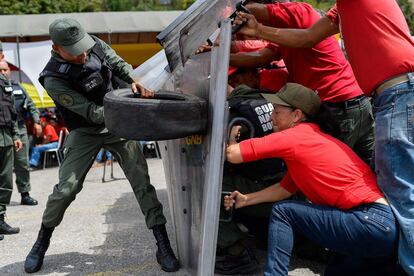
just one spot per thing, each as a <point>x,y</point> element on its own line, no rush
<point>37,151</point>
<point>394,160</point>
<point>100,155</point>
<point>366,236</point>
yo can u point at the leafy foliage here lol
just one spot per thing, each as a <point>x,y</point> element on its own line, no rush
<point>49,6</point>
<point>407,9</point>
<point>66,6</point>
<point>324,5</point>
<point>405,6</point>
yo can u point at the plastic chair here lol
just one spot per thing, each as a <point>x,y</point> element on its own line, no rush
<point>58,152</point>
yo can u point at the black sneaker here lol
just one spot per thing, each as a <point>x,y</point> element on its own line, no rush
<point>244,263</point>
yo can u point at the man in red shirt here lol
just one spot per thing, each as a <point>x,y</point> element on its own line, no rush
<point>348,214</point>
<point>257,78</point>
<point>50,141</point>
<point>381,52</point>
<point>272,74</point>
<point>322,68</point>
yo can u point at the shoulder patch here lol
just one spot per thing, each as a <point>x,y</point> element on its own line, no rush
<point>66,100</point>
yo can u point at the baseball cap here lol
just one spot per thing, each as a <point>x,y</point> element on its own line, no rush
<point>297,96</point>
<point>69,34</point>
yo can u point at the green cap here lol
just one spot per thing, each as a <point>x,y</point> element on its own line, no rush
<point>69,34</point>
<point>297,96</point>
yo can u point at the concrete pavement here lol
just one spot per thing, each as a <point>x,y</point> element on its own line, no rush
<point>103,232</point>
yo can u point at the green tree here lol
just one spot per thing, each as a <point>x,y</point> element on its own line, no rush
<point>49,6</point>
<point>405,6</point>
<point>324,5</point>
<point>407,9</point>
<point>146,5</point>
<point>66,6</point>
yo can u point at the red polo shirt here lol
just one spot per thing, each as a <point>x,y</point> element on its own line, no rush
<point>326,170</point>
<point>322,68</point>
<point>377,39</point>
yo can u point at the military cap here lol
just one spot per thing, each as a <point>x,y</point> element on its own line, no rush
<point>296,96</point>
<point>69,34</point>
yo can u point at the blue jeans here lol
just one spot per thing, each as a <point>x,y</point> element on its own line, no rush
<point>37,151</point>
<point>99,156</point>
<point>394,160</point>
<point>365,238</point>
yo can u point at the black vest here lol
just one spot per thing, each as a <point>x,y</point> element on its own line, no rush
<point>247,103</point>
<point>20,101</point>
<point>7,112</point>
<point>92,79</point>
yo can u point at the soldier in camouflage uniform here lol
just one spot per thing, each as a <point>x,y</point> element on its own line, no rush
<point>23,104</point>
<point>77,77</point>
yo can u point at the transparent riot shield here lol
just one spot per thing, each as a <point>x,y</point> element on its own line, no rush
<point>193,165</point>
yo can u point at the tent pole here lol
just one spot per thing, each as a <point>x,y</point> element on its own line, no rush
<point>109,39</point>
<point>18,57</point>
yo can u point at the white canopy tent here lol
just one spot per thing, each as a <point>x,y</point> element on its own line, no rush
<point>98,22</point>
<point>33,58</point>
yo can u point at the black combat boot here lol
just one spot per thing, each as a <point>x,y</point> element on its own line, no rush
<point>244,263</point>
<point>27,199</point>
<point>7,229</point>
<point>34,260</point>
<point>165,254</point>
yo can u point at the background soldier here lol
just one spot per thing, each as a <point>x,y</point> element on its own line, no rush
<point>77,77</point>
<point>8,139</point>
<point>23,103</point>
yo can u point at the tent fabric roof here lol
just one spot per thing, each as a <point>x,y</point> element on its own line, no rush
<point>97,22</point>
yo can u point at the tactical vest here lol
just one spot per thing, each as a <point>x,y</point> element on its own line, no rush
<point>20,101</point>
<point>92,79</point>
<point>247,103</point>
<point>7,112</point>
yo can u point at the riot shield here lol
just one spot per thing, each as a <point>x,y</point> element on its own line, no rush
<point>194,164</point>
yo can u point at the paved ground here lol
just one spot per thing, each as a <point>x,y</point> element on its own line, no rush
<point>103,232</point>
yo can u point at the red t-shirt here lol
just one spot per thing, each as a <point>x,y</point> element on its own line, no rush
<point>322,68</point>
<point>377,40</point>
<point>326,170</point>
<point>273,79</point>
<point>49,130</point>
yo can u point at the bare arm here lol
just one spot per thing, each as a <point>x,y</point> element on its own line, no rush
<point>295,38</point>
<point>253,59</point>
<point>272,193</point>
